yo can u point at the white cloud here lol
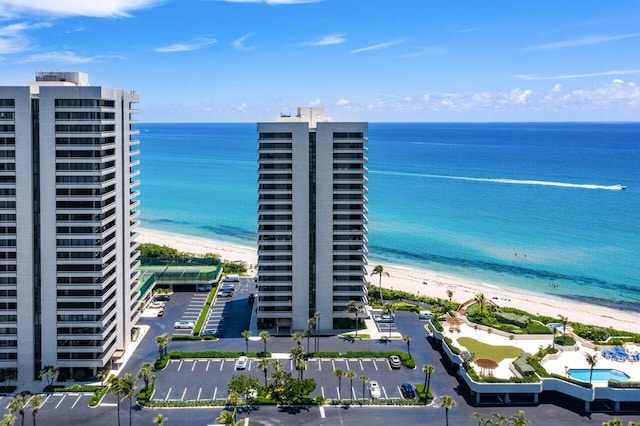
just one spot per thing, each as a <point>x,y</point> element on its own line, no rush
<point>12,38</point>
<point>343,102</point>
<point>10,45</point>
<point>583,41</point>
<point>617,81</point>
<point>377,46</point>
<point>184,47</point>
<point>239,43</point>
<point>273,2</point>
<point>16,29</point>
<point>571,76</point>
<point>520,96</point>
<point>328,40</point>
<point>63,57</point>
<point>315,103</point>
<point>557,88</point>
<point>95,8</point>
<point>407,99</point>
<point>427,51</point>
<point>426,97</point>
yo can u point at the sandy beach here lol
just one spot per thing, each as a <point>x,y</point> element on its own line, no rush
<point>413,280</point>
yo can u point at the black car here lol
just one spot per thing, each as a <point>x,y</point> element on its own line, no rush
<point>162,298</point>
<point>408,391</point>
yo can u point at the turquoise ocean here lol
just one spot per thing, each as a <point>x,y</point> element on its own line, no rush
<point>534,206</point>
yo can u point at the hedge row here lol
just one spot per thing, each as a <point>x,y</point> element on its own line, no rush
<point>522,365</point>
<point>204,312</point>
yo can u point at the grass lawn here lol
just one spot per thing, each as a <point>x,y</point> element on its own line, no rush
<point>482,350</point>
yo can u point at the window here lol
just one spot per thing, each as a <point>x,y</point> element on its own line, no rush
<point>79,103</point>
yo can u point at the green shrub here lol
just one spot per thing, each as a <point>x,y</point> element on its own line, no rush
<point>520,321</point>
<point>325,354</point>
<point>453,348</point>
<point>436,324</point>
<point>73,388</point>
<point>97,396</point>
<point>522,365</point>
<point>204,312</point>
<point>623,385</point>
<point>537,328</point>
<point>145,394</point>
<point>420,390</point>
<point>177,337</point>
<point>161,362</point>
<point>570,380</point>
<point>564,341</point>
<point>403,306</point>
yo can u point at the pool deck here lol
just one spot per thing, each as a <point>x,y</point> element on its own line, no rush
<point>556,363</point>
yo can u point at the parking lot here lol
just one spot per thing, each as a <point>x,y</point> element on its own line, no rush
<point>231,315</point>
<point>62,401</point>
<point>206,379</point>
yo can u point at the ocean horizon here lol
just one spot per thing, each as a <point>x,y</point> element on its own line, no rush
<point>549,208</point>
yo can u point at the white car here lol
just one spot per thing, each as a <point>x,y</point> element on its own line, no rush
<point>241,363</point>
<point>183,324</point>
<point>374,389</point>
<point>157,304</point>
<point>425,315</point>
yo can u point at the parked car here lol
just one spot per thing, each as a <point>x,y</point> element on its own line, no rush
<point>425,315</point>
<point>213,332</point>
<point>394,362</point>
<point>226,293</point>
<point>160,312</point>
<point>385,318</point>
<point>162,298</point>
<point>183,324</point>
<point>232,278</point>
<point>374,389</point>
<point>205,287</point>
<point>157,304</point>
<point>241,363</point>
<point>252,298</point>
<point>228,286</point>
<point>408,391</point>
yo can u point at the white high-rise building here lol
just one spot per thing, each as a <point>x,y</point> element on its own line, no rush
<point>312,242</point>
<point>68,258</point>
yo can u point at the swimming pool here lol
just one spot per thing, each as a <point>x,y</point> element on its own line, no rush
<point>599,374</point>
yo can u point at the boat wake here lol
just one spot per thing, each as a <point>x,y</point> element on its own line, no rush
<point>515,181</point>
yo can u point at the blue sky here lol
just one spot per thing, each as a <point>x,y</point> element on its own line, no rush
<point>369,60</point>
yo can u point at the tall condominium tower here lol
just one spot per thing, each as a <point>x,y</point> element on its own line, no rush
<point>68,258</point>
<point>312,242</point>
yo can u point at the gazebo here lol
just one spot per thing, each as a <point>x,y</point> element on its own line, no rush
<point>454,322</point>
<point>486,366</point>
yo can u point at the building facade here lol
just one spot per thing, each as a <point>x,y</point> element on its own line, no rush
<point>68,213</point>
<point>312,243</point>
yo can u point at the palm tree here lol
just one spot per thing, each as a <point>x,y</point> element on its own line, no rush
<point>35,403</point>
<point>364,379</point>
<point>145,373</point>
<point>8,420</point>
<point>163,342</point>
<point>554,331</point>
<point>518,419</point>
<point>103,376</point>
<point>297,354</point>
<point>448,403</point>
<point>312,331</point>
<point>613,422</point>
<point>379,270</point>
<point>159,419</point>
<point>307,335</point>
<point>19,404</point>
<point>565,321</point>
<point>264,335</point>
<point>351,375</point>
<point>450,295</point>
<point>234,400</point>
<point>228,418</point>
<point>592,360</point>
<point>388,309</point>
<point>428,371</point>
<point>355,308</point>
<point>263,364</point>
<point>317,316</point>
<point>116,389</point>
<point>499,418</point>
<point>246,334</point>
<point>297,337</point>
<point>128,388</point>
<point>339,374</point>
<point>480,300</point>
<point>407,339</point>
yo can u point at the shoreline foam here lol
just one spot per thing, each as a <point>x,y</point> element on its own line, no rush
<point>412,279</point>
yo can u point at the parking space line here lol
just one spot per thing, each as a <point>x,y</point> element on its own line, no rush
<point>400,392</point>
<point>183,394</point>
<point>322,389</point>
<point>347,364</point>
<point>339,397</point>
<point>334,364</point>
<point>322,414</point>
<point>166,398</point>
<point>60,402</point>
<point>249,365</point>
<point>208,364</point>
<point>45,400</point>
<point>193,367</point>
<point>199,392</point>
<point>180,366</point>
<point>361,368</point>
<point>221,364</point>
<point>375,364</point>
<point>77,399</point>
<point>385,393</point>
<point>215,392</point>
<point>319,365</point>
